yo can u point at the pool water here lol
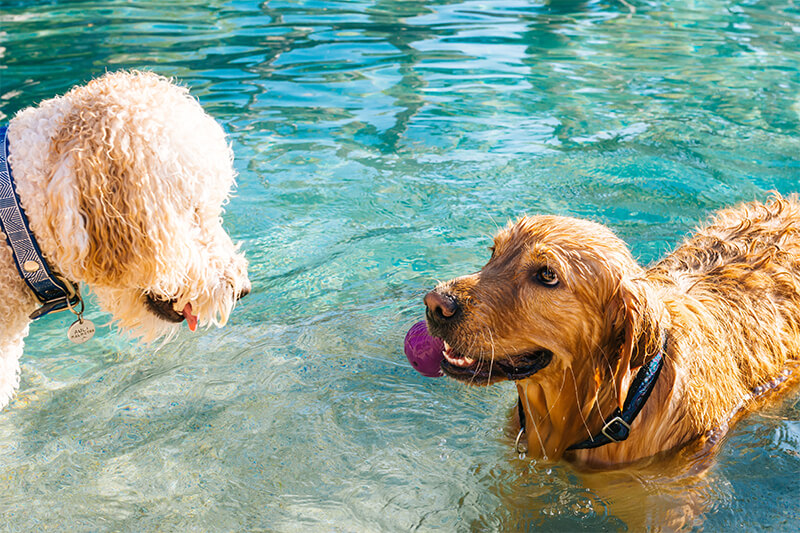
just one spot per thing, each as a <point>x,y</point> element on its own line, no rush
<point>379,145</point>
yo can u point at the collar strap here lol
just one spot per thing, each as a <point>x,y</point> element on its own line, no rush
<point>618,428</point>
<point>55,294</point>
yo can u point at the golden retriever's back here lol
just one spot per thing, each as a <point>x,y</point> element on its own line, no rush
<point>733,291</point>
<point>750,234</point>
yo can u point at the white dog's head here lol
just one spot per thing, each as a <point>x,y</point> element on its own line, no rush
<point>123,181</point>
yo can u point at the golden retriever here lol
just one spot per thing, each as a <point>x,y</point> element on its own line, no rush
<point>564,310</point>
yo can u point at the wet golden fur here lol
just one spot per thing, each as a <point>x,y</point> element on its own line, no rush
<point>728,300</point>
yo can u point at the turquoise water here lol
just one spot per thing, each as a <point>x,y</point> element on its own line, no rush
<point>379,145</point>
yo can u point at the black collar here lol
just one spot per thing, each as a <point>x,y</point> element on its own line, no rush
<point>618,427</point>
<point>54,293</point>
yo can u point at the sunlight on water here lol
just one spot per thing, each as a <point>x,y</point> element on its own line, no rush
<point>379,146</point>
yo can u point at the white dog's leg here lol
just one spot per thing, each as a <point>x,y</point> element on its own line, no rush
<point>16,303</point>
<point>10,352</point>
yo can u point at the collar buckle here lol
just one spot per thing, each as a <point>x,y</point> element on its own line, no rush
<point>55,305</point>
<point>619,427</point>
<point>616,429</point>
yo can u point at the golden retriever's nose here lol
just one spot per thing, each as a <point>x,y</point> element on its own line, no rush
<point>440,306</point>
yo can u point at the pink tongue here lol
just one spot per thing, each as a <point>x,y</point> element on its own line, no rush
<point>190,318</point>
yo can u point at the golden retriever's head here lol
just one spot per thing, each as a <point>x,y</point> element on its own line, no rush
<point>557,293</point>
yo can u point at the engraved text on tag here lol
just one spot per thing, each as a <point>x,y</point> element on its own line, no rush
<point>80,331</point>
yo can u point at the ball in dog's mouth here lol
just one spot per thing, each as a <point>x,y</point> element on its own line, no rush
<point>480,370</point>
<point>165,309</point>
<point>424,352</point>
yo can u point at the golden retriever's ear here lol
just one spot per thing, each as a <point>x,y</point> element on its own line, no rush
<point>629,317</point>
<point>621,373</point>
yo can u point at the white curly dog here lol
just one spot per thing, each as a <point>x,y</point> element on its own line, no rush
<point>123,181</point>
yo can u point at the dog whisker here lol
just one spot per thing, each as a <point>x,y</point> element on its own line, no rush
<point>496,225</point>
<point>561,388</point>
<point>535,427</point>
<point>577,399</point>
<point>491,363</point>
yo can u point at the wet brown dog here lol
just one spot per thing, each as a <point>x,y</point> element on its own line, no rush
<point>564,310</point>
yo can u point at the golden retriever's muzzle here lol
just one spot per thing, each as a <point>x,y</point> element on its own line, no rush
<point>485,372</point>
<point>442,311</point>
<point>445,314</point>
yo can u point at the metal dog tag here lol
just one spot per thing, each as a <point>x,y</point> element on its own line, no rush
<point>80,331</point>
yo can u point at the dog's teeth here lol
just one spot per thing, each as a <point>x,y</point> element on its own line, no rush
<point>456,359</point>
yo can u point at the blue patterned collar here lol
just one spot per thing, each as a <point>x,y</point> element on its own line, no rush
<point>53,292</point>
<point>618,427</point>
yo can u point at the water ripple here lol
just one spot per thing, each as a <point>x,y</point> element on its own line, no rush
<point>379,145</point>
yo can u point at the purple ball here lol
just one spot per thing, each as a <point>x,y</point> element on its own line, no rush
<point>424,352</point>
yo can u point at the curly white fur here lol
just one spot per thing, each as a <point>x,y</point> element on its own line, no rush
<point>123,182</point>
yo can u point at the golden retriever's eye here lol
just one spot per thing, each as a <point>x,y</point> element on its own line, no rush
<point>546,277</point>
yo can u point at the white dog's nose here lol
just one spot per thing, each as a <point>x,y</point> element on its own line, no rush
<point>244,292</point>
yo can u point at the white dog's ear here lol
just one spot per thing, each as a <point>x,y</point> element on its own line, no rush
<point>64,221</point>
<point>101,168</point>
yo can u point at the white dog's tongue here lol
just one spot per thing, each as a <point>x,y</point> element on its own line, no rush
<point>190,318</point>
